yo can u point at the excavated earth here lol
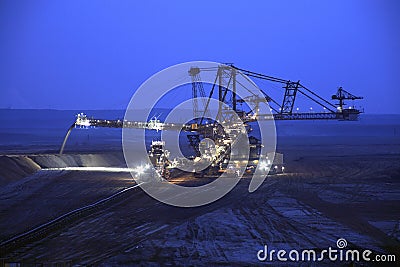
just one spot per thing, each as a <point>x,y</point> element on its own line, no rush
<point>328,192</point>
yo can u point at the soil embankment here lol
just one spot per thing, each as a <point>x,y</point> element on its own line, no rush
<point>15,167</point>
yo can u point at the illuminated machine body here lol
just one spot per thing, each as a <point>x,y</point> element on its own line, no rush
<point>224,89</point>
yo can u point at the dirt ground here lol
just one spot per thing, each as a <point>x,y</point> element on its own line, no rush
<point>327,193</point>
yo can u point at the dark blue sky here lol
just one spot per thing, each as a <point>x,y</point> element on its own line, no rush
<point>94,54</point>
